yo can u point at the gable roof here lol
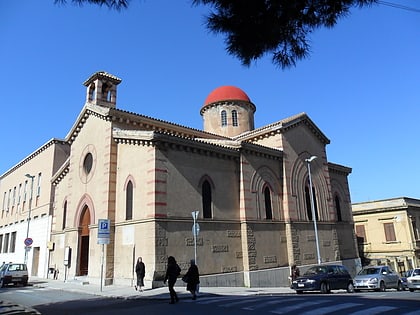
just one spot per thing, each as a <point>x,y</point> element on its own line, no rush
<point>283,125</point>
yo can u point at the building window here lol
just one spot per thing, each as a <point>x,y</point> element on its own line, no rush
<point>14,196</point>
<point>267,203</point>
<point>88,163</point>
<point>415,230</point>
<point>63,224</point>
<point>206,199</point>
<point>6,243</point>
<point>389,232</point>
<point>12,242</point>
<point>129,201</point>
<point>338,208</point>
<point>4,200</point>
<point>19,193</point>
<point>1,242</point>
<point>25,190</point>
<point>8,199</point>
<point>235,118</point>
<point>308,203</point>
<point>38,190</point>
<point>361,233</point>
<point>224,118</point>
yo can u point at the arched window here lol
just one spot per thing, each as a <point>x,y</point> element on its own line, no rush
<point>129,201</point>
<point>308,203</point>
<point>235,118</point>
<point>206,199</point>
<point>338,208</point>
<point>63,224</point>
<point>224,118</point>
<point>267,202</point>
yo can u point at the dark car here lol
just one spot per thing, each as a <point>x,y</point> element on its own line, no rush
<point>13,273</point>
<point>324,278</point>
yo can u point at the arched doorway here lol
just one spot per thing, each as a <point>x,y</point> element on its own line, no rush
<point>84,242</point>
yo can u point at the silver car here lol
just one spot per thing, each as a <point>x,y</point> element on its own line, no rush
<point>378,278</point>
<point>413,280</point>
<point>13,273</point>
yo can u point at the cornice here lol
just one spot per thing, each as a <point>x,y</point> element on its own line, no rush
<point>339,169</point>
<point>282,126</point>
<point>61,172</point>
<point>34,154</point>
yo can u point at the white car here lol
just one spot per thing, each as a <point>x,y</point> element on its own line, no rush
<point>13,273</point>
<point>378,278</point>
<point>413,281</point>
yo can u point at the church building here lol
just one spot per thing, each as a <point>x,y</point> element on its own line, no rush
<point>122,185</point>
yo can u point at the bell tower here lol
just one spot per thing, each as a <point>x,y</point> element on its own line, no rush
<point>102,89</point>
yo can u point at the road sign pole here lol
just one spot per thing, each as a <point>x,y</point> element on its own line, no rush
<point>195,232</point>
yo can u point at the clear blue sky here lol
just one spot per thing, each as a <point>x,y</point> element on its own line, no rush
<point>360,85</point>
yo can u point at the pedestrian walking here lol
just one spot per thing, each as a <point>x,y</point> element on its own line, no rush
<point>140,272</point>
<point>192,278</point>
<point>172,273</point>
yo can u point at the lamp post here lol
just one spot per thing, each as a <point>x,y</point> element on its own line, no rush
<point>311,194</point>
<point>29,214</point>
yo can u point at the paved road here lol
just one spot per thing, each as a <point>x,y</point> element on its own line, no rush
<point>51,301</point>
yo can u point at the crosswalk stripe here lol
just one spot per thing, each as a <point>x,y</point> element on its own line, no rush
<point>331,308</point>
<point>240,302</point>
<point>267,303</point>
<point>297,306</point>
<point>375,310</point>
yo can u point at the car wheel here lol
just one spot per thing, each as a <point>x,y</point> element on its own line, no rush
<point>1,283</point>
<point>400,287</point>
<point>350,288</point>
<point>411,290</point>
<point>299,291</point>
<point>324,287</point>
<point>382,287</point>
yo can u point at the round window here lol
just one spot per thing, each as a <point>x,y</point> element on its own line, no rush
<point>88,163</point>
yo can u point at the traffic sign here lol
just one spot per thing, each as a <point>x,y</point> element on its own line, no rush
<point>195,229</point>
<point>28,241</point>
<point>104,231</point>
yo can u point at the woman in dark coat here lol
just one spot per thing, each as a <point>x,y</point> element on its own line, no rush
<point>172,273</point>
<point>140,272</point>
<point>192,278</point>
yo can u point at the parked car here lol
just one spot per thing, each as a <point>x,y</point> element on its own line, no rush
<point>13,273</point>
<point>378,278</point>
<point>413,281</point>
<point>324,278</point>
<point>404,277</point>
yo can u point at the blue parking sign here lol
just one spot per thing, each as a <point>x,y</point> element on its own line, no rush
<point>104,231</point>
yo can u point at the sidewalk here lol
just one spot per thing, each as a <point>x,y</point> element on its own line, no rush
<point>127,292</point>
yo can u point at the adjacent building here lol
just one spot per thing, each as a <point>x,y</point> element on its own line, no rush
<point>388,232</point>
<point>146,177</point>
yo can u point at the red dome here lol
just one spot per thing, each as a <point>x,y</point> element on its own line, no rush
<point>226,92</point>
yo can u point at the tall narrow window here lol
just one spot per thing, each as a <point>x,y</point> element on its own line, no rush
<point>235,118</point>
<point>1,243</point>
<point>415,230</point>
<point>19,193</point>
<point>6,243</point>
<point>14,196</point>
<point>224,118</point>
<point>38,190</point>
<point>63,224</point>
<point>129,201</point>
<point>389,232</point>
<point>206,199</point>
<point>4,200</point>
<point>267,202</point>
<point>8,199</point>
<point>308,203</point>
<point>12,242</point>
<point>25,190</point>
<point>361,233</point>
<point>338,208</point>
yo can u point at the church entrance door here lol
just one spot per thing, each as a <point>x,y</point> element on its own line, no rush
<point>84,242</point>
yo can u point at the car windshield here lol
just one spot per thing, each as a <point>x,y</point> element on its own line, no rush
<point>369,271</point>
<point>315,270</point>
<point>416,272</point>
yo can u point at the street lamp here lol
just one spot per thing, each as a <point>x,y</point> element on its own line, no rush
<point>311,194</point>
<point>29,214</point>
